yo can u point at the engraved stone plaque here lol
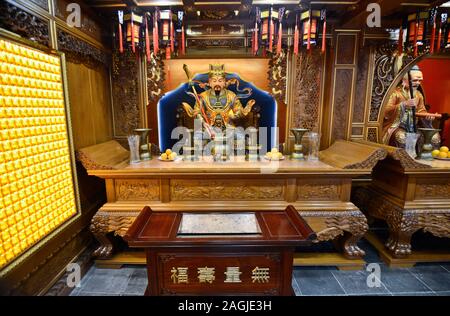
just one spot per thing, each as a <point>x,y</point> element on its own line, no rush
<point>219,224</point>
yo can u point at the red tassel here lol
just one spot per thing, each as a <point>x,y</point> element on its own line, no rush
<point>271,30</point>
<point>167,52</point>
<point>415,39</point>
<point>296,40</point>
<point>147,40</point>
<point>132,34</point>
<point>438,48</point>
<point>183,47</point>
<point>155,35</point>
<point>433,37</point>
<point>256,39</point>
<point>400,41</point>
<point>280,34</point>
<point>324,36</point>
<point>172,35</point>
<point>120,38</point>
<point>308,44</point>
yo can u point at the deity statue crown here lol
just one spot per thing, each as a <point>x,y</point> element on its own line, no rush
<point>216,70</point>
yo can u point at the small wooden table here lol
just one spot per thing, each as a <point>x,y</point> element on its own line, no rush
<point>219,264</point>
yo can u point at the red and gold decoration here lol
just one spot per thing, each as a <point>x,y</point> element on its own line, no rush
<point>268,28</point>
<point>36,182</point>
<point>168,31</point>
<point>280,29</point>
<point>134,23</point>
<point>310,27</point>
<point>417,30</point>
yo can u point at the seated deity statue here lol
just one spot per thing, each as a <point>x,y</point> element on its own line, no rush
<point>398,116</point>
<point>217,107</point>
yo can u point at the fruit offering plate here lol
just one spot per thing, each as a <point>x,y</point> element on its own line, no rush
<point>169,160</point>
<point>274,159</point>
<point>438,158</point>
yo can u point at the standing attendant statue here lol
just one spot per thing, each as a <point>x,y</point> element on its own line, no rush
<point>402,112</point>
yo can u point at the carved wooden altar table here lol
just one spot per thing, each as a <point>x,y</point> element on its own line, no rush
<point>410,195</point>
<point>219,253</point>
<point>319,190</point>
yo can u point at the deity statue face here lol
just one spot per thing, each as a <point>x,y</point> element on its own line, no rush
<point>217,83</point>
<point>416,79</point>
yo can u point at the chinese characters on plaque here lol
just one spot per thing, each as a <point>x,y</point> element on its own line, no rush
<point>207,275</point>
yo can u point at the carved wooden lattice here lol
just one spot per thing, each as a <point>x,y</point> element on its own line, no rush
<point>306,104</point>
<point>23,23</point>
<point>125,92</point>
<point>78,51</point>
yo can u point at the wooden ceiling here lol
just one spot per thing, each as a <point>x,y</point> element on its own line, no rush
<point>344,13</point>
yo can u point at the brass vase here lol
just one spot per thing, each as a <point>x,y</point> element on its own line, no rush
<point>427,147</point>
<point>298,148</point>
<point>145,149</point>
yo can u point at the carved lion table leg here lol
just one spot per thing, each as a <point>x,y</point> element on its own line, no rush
<point>401,227</point>
<point>104,223</point>
<point>351,225</point>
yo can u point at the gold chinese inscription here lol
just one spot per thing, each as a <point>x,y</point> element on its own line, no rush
<point>179,275</point>
<point>260,275</point>
<point>232,275</point>
<point>206,274</point>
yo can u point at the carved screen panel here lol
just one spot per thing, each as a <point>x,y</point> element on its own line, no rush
<point>37,185</point>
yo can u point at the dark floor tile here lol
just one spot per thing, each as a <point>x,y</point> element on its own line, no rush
<point>434,276</point>
<point>137,282</point>
<point>444,293</point>
<point>317,282</point>
<point>355,283</point>
<point>96,294</point>
<point>415,294</point>
<point>446,266</point>
<point>295,287</point>
<point>110,281</point>
<point>401,280</point>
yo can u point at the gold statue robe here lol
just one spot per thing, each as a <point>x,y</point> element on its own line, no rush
<point>217,110</point>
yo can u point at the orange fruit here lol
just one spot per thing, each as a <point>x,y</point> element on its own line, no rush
<point>442,154</point>
<point>444,149</point>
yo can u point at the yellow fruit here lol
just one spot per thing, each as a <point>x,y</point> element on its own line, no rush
<point>269,155</point>
<point>164,156</point>
<point>274,150</point>
<point>168,152</point>
<point>172,156</point>
<point>448,155</point>
<point>442,154</point>
<point>435,153</point>
<point>279,155</point>
<point>444,149</point>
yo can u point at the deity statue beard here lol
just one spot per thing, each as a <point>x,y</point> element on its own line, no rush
<point>217,89</point>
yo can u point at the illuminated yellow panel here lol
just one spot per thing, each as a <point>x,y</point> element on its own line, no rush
<point>36,184</point>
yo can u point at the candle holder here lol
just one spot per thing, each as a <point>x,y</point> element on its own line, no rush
<point>427,147</point>
<point>145,152</point>
<point>298,147</point>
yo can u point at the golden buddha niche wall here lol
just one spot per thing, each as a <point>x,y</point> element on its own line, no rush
<point>37,187</point>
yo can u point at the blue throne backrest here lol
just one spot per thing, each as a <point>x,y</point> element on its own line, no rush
<point>171,101</point>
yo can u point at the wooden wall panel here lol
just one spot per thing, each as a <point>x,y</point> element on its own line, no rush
<point>341,103</point>
<point>90,104</point>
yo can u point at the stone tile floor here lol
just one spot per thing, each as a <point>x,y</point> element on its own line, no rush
<point>423,279</point>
